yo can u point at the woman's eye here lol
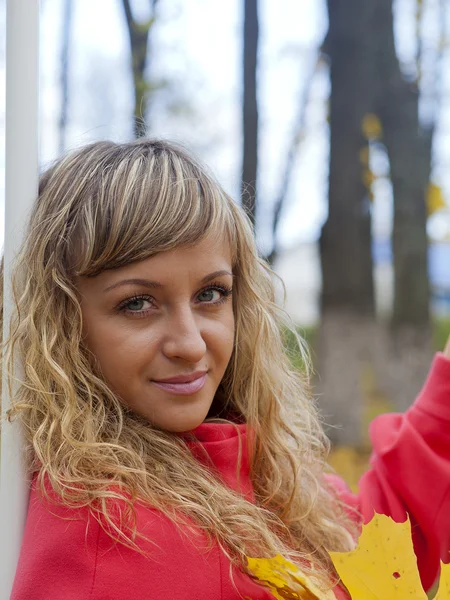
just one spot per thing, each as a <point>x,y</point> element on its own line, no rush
<point>137,305</point>
<point>209,296</point>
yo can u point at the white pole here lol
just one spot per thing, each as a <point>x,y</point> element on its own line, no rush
<point>21,181</point>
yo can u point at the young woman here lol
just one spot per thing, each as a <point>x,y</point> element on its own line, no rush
<point>169,439</point>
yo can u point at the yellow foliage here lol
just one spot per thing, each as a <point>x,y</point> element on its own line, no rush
<point>350,463</point>
<point>364,155</point>
<point>372,127</point>
<point>435,199</point>
<point>368,178</point>
<point>285,580</point>
<point>444,583</point>
<point>384,565</point>
<point>375,403</point>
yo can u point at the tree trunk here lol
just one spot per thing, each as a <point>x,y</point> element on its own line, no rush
<point>409,149</point>
<point>408,349</point>
<point>297,136</point>
<point>347,301</point>
<point>139,39</point>
<point>250,108</point>
<point>346,251</point>
<point>353,347</point>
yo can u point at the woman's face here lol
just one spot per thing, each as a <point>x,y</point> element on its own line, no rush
<point>162,331</point>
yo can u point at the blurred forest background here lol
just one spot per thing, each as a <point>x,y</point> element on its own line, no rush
<point>329,121</point>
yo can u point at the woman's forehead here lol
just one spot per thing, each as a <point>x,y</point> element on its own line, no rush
<point>209,258</point>
<point>91,251</point>
<point>210,252</point>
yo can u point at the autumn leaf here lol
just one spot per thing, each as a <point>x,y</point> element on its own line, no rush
<point>444,583</point>
<point>364,155</point>
<point>384,564</point>
<point>382,567</point>
<point>371,126</point>
<point>435,199</point>
<point>368,178</point>
<point>285,580</point>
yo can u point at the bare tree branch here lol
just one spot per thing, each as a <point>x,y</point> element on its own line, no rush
<point>129,15</point>
<point>298,129</point>
<point>139,40</point>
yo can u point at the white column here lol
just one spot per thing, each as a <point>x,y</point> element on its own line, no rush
<point>21,181</point>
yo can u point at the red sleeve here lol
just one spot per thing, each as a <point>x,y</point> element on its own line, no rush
<point>410,471</point>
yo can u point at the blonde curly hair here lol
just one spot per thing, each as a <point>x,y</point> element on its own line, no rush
<point>104,206</point>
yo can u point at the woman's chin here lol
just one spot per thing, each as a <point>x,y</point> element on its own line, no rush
<point>181,423</point>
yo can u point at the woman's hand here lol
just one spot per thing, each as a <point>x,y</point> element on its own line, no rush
<point>447,348</point>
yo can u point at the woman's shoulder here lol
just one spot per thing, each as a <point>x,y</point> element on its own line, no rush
<point>46,503</point>
<point>66,549</point>
<point>50,516</point>
<point>59,549</point>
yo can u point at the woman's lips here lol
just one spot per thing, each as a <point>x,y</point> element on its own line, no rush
<point>183,389</point>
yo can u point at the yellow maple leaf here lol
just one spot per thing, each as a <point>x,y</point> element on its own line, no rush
<point>285,580</point>
<point>382,567</point>
<point>443,592</point>
<point>371,126</point>
<point>384,564</point>
<point>364,155</point>
<point>368,178</point>
<point>435,199</point>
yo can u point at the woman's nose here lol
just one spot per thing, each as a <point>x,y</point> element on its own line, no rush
<point>183,338</point>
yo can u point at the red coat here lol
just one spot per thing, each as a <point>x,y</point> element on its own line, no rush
<point>410,472</point>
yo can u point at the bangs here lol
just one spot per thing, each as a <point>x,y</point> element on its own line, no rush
<point>137,200</point>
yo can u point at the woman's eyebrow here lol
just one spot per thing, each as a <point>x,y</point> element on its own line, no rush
<point>156,284</point>
<point>144,282</point>
<point>212,276</point>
